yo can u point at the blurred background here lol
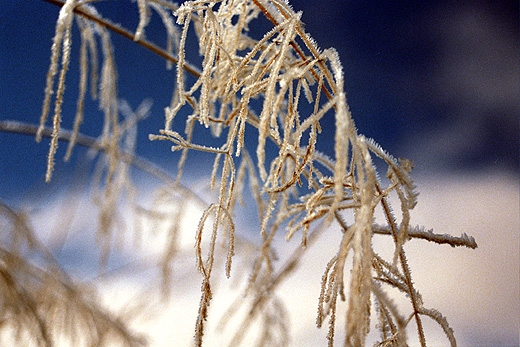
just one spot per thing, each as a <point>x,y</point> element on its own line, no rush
<point>437,82</point>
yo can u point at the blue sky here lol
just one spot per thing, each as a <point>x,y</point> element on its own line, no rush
<point>416,72</point>
<point>433,81</point>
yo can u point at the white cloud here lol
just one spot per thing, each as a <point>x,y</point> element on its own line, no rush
<point>478,290</point>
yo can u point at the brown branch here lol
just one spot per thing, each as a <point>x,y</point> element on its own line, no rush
<point>129,35</point>
<point>16,127</point>
<point>404,265</point>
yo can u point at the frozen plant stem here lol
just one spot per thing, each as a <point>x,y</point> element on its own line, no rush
<point>253,93</point>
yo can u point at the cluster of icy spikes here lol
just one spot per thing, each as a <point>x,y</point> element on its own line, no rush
<point>108,100</point>
<point>275,68</point>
